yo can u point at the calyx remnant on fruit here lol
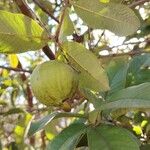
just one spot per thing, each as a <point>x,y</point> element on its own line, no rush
<point>54,82</point>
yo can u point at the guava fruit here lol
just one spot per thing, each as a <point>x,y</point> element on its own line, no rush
<point>53,82</point>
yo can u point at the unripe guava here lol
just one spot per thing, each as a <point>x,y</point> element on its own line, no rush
<point>54,82</point>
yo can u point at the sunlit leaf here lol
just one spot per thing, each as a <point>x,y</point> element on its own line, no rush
<point>137,129</point>
<point>19,33</point>
<point>104,1</point>
<point>115,17</point>
<point>13,60</point>
<point>92,74</point>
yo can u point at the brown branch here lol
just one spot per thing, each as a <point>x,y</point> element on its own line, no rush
<point>137,3</point>
<point>45,10</point>
<point>25,9</point>
<point>131,53</point>
<point>147,40</point>
<point>48,52</point>
<point>15,69</point>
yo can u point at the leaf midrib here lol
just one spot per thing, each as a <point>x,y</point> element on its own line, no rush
<point>85,69</point>
<point>25,36</point>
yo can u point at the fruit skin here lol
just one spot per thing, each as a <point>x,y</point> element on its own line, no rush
<point>54,82</point>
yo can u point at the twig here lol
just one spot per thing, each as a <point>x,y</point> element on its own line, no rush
<point>48,52</point>
<point>45,10</point>
<point>131,53</point>
<point>25,9</point>
<point>99,39</point>
<point>15,69</point>
<point>136,3</point>
<point>131,43</point>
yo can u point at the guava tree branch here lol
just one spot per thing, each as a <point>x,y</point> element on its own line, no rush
<point>45,10</point>
<point>138,2</point>
<point>131,53</point>
<point>15,69</point>
<point>25,9</point>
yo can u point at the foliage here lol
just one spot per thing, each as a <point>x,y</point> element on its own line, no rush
<point>106,43</point>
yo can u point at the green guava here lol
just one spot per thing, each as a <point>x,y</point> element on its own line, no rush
<point>53,82</point>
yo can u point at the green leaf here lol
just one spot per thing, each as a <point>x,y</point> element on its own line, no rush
<point>137,62</point>
<point>117,73</point>
<point>68,138</point>
<point>19,33</point>
<point>131,97</point>
<point>92,97</point>
<point>92,74</point>
<point>138,71</point>
<point>40,124</point>
<point>108,137</point>
<point>115,17</point>
<point>67,27</point>
<point>104,1</point>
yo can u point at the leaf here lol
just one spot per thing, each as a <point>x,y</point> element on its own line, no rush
<point>68,138</point>
<point>131,97</point>
<point>67,27</point>
<point>47,5</point>
<point>13,60</point>
<point>115,17</point>
<point>104,1</point>
<point>108,137</point>
<point>92,75</point>
<point>92,97</point>
<point>138,71</point>
<point>40,124</point>
<point>37,126</point>
<point>19,33</point>
<point>137,62</point>
<point>94,117</point>
<point>117,73</point>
